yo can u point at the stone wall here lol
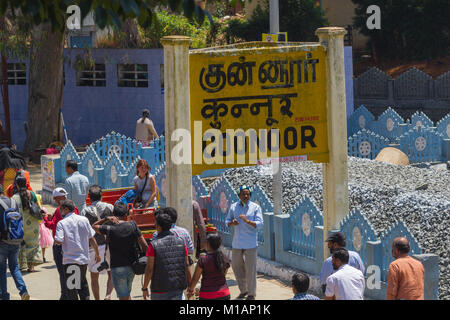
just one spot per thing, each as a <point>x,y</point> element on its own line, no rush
<point>412,91</point>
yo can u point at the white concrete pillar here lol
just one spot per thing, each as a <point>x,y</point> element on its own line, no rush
<point>277,187</point>
<point>177,116</point>
<point>335,173</point>
<point>274,10</point>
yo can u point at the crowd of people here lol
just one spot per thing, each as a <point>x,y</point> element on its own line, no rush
<point>99,239</point>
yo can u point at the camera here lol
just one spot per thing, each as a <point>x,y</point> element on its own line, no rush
<point>103,266</point>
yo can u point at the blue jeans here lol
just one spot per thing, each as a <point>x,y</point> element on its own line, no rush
<point>122,278</point>
<point>171,295</point>
<point>10,253</point>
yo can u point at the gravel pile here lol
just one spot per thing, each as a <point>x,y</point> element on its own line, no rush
<point>382,191</point>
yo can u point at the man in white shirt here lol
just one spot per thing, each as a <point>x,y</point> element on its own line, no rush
<point>74,233</point>
<point>145,130</point>
<point>335,241</point>
<point>347,283</point>
<point>95,212</point>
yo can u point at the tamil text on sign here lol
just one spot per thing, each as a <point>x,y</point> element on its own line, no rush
<point>248,105</point>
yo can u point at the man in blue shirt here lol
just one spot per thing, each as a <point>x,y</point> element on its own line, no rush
<point>335,241</point>
<point>77,185</point>
<point>246,218</point>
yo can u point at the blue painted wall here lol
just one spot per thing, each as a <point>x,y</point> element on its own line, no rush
<point>348,54</point>
<point>92,112</point>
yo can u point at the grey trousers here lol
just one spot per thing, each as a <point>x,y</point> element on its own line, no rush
<point>243,262</point>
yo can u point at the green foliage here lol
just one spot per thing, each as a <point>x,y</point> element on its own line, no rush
<point>299,18</point>
<point>410,29</point>
<point>165,24</point>
<point>107,12</point>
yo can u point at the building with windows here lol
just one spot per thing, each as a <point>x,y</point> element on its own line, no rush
<point>107,96</point>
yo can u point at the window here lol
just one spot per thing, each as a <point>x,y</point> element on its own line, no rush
<point>95,77</point>
<point>132,75</point>
<point>17,73</point>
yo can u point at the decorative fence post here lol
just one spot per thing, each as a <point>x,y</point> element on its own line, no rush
<point>68,153</point>
<point>90,164</point>
<point>222,196</point>
<point>421,145</point>
<point>360,119</point>
<point>430,263</point>
<point>366,144</point>
<point>387,124</point>
<point>114,172</point>
<point>265,235</point>
<point>299,237</point>
<point>397,230</point>
<point>358,231</point>
<point>160,179</point>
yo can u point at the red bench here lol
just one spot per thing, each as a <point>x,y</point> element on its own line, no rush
<point>144,218</point>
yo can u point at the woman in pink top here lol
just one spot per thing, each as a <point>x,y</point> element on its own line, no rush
<point>212,267</point>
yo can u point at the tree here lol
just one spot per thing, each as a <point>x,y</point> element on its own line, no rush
<point>299,18</point>
<point>410,29</point>
<point>48,21</point>
<point>13,43</point>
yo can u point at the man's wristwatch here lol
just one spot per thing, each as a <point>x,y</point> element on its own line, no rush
<point>144,289</point>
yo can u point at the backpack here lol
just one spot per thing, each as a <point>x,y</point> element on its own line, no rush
<point>12,224</point>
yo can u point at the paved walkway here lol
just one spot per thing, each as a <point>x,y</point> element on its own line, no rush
<point>44,283</point>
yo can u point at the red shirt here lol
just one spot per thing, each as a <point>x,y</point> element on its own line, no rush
<point>51,223</point>
<point>151,251</point>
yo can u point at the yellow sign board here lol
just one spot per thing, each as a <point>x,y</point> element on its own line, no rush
<point>253,104</point>
<point>274,37</point>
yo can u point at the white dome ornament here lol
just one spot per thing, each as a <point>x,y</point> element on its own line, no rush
<point>91,168</point>
<point>223,203</point>
<point>113,174</point>
<point>389,124</point>
<point>365,148</point>
<point>357,239</point>
<point>306,224</point>
<point>115,149</point>
<point>421,143</point>
<point>362,122</point>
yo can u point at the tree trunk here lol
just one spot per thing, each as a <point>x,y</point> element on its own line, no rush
<point>131,31</point>
<point>45,88</point>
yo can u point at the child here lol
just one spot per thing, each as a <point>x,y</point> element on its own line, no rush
<point>300,286</point>
<point>46,240</point>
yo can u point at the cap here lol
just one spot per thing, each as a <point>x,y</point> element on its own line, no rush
<point>59,192</point>
<point>337,237</point>
<point>245,187</point>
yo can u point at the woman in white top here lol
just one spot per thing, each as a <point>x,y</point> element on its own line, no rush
<point>148,191</point>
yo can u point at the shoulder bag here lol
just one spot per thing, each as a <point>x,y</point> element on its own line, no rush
<point>140,263</point>
<point>139,204</point>
<point>35,210</point>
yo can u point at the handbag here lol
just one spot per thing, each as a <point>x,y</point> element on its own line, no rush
<point>140,263</point>
<point>138,202</point>
<point>35,210</point>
